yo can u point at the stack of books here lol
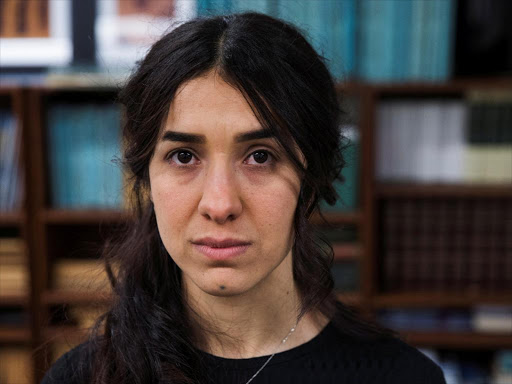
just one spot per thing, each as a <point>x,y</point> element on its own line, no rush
<point>11,176</point>
<point>446,141</point>
<point>445,244</point>
<point>488,153</point>
<point>14,274</point>
<point>84,146</point>
<point>479,319</point>
<point>80,275</point>
<point>16,365</point>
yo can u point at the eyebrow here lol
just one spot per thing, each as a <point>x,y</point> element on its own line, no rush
<point>201,139</point>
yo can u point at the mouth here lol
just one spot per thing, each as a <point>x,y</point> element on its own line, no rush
<point>221,249</point>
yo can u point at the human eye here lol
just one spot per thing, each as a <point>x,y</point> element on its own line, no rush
<point>182,158</point>
<point>261,157</point>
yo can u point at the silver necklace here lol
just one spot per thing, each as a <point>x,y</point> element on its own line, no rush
<point>271,356</point>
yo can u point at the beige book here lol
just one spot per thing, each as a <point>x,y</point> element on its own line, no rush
<point>12,258</point>
<point>16,365</point>
<point>12,245</point>
<point>475,160</point>
<point>14,279</point>
<point>80,275</point>
<point>490,96</point>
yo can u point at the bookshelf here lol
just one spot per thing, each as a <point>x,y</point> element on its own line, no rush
<point>54,233</point>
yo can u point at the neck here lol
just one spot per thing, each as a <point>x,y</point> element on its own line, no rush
<point>252,323</point>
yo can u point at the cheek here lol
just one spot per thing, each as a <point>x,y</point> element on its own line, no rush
<point>273,208</point>
<point>173,207</point>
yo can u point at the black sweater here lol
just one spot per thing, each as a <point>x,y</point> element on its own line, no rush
<point>328,358</point>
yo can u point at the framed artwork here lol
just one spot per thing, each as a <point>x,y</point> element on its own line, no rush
<point>125,29</point>
<point>35,33</point>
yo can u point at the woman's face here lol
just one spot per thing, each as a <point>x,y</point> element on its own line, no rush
<point>224,194</point>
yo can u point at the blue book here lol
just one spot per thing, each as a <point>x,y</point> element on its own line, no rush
<point>376,40</point>
<point>347,26</point>
<point>428,41</point>
<point>79,155</point>
<point>336,34</point>
<point>261,6</point>
<point>3,158</point>
<point>365,26</point>
<point>90,168</point>
<point>214,7</point>
<point>384,43</point>
<point>447,35</point>
<point>416,40</point>
<point>401,38</point>
<point>55,148</point>
<point>110,134</point>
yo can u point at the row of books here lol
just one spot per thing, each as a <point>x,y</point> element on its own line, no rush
<point>14,274</point>
<point>375,40</point>
<point>460,369</point>
<point>479,319</point>
<point>82,275</point>
<point>445,244</point>
<point>83,145</point>
<point>447,141</point>
<point>16,365</point>
<point>11,176</point>
<point>405,40</point>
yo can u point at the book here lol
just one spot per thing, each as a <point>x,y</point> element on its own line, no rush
<point>11,176</point>
<point>492,319</point>
<point>16,365</point>
<point>80,275</point>
<point>84,143</point>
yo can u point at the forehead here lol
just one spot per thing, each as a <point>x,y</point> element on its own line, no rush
<point>208,102</point>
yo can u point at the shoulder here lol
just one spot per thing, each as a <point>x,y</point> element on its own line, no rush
<point>412,366</point>
<point>74,367</point>
<point>389,359</point>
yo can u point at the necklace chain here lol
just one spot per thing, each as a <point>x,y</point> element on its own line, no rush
<point>271,356</point>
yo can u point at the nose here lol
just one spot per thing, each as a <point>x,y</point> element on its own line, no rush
<point>220,201</point>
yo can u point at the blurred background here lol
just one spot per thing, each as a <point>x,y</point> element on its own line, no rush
<point>422,233</point>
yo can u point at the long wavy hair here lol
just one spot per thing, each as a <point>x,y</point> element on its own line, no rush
<point>145,336</point>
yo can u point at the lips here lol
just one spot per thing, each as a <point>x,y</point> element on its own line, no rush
<point>220,243</point>
<point>220,249</point>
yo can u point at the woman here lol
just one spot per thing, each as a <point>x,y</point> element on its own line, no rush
<point>232,138</point>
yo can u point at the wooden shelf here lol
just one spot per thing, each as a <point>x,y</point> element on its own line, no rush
<point>13,334</point>
<point>337,218</point>
<point>439,299</point>
<point>11,219</point>
<point>14,300</point>
<point>78,298</point>
<point>443,190</point>
<point>455,86</point>
<point>65,217</point>
<point>455,340</point>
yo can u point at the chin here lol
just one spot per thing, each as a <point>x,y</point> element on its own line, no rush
<point>225,286</point>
